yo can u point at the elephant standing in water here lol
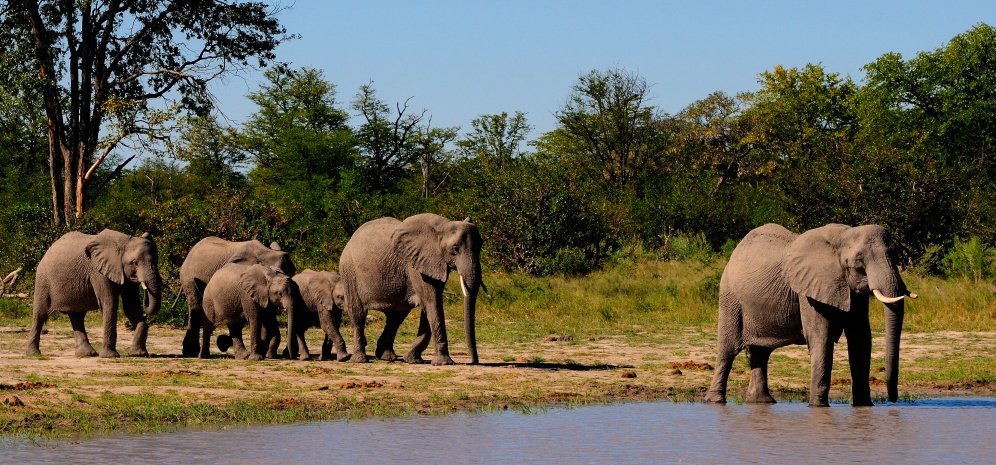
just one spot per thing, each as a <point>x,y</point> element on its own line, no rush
<point>207,257</point>
<point>322,300</point>
<point>239,295</point>
<point>781,288</point>
<point>394,266</point>
<point>82,272</point>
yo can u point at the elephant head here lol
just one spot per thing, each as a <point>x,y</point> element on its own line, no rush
<point>434,246</point>
<point>252,252</point>
<point>267,287</point>
<point>836,263</point>
<point>121,258</point>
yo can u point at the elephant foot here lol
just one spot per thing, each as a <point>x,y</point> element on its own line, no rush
<point>86,351</point>
<point>273,355</point>
<point>414,359</point>
<point>358,357</point>
<point>761,398</point>
<point>388,356</point>
<point>138,352</point>
<point>256,357</point>
<point>819,404</point>
<point>204,355</point>
<point>863,403</point>
<point>342,357</point>
<point>32,350</point>
<point>439,360</point>
<point>191,348</point>
<point>109,353</point>
<point>715,397</point>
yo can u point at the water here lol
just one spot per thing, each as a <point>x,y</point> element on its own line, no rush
<point>954,430</point>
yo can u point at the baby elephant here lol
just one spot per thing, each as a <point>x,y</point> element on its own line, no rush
<point>238,295</point>
<point>322,299</point>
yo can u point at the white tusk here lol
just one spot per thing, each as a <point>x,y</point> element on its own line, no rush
<point>884,299</point>
<point>463,286</point>
<point>143,287</point>
<point>913,295</point>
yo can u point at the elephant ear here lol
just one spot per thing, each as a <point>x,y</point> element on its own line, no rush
<point>324,295</point>
<point>256,284</point>
<point>418,243</point>
<point>812,268</point>
<point>105,255</point>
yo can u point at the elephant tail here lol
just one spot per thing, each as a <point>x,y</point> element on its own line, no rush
<point>176,299</point>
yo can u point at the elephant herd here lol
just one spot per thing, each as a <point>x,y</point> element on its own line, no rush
<point>387,265</point>
<point>778,288</point>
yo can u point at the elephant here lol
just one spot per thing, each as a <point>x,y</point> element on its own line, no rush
<point>781,288</point>
<point>207,257</point>
<point>238,295</point>
<point>82,272</point>
<point>394,266</point>
<point>321,306</point>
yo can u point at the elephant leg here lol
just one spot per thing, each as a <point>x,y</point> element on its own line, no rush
<point>205,348</point>
<point>195,317</point>
<point>858,333</point>
<point>359,319</point>
<point>333,342</point>
<point>83,347</point>
<point>300,350</point>
<point>414,355</point>
<point>271,337</point>
<point>757,390</point>
<point>385,344</point>
<point>241,353</point>
<point>729,343</point>
<point>38,319</point>
<point>133,311</point>
<point>257,347</point>
<point>821,334</point>
<point>110,314</point>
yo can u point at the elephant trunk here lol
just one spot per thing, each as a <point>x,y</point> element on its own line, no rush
<point>470,283</point>
<point>893,329</point>
<point>153,293</point>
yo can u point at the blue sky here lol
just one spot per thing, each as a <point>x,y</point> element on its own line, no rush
<point>461,59</point>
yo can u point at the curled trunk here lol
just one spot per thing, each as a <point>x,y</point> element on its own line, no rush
<point>153,294</point>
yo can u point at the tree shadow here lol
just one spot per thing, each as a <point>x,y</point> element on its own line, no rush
<point>569,366</point>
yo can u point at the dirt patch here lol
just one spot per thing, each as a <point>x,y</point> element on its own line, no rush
<point>510,375</point>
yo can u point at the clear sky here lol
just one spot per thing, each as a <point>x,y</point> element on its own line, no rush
<point>462,59</point>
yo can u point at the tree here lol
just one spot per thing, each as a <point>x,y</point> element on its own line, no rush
<point>114,61</point>
<point>430,145</point>
<point>716,136</point>
<point>933,118</point>
<point>210,150</point>
<point>495,139</point>
<point>298,133</point>
<point>385,139</point>
<point>608,119</point>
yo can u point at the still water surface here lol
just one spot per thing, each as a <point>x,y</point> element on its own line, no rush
<point>952,430</point>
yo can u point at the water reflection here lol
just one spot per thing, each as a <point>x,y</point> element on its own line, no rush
<point>928,431</point>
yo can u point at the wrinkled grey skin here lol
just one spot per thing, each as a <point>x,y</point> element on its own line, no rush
<point>394,266</point>
<point>82,272</point>
<point>240,295</point>
<point>780,288</point>
<point>321,307</point>
<point>207,257</point>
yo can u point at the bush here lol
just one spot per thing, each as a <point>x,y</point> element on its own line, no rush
<point>972,260</point>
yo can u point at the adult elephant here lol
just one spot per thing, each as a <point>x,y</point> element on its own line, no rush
<point>82,272</point>
<point>207,257</point>
<point>240,295</point>
<point>781,288</point>
<point>321,306</point>
<point>394,266</point>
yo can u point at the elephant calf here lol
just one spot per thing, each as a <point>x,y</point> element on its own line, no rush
<point>321,306</point>
<point>239,295</point>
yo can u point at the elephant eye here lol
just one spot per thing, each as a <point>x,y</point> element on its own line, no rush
<point>455,250</point>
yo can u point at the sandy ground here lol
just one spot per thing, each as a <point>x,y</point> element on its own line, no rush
<point>556,368</point>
